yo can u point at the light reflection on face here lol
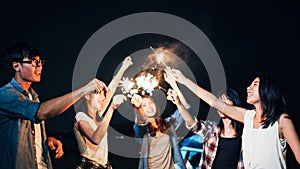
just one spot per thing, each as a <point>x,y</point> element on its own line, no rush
<point>253,92</point>
<point>96,100</point>
<point>149,107</point>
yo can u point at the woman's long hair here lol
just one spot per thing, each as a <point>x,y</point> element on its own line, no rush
<point>235,98</point>
<point>272,100</point>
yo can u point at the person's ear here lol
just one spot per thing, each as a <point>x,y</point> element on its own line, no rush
<point>16,66</point>
<point>87,96</point>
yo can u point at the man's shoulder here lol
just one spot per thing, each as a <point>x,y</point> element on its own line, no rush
<point>6,88</point>
<point>8,92</point>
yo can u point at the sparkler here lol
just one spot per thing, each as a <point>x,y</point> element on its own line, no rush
<point>144,82</point>
<point>159,57</point>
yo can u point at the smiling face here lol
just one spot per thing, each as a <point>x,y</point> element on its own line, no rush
<point>149,107</point>
<point>27,72</point>
<point>95,101</point>
<point>253,92</point>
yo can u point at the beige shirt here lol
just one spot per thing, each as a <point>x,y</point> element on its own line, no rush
<point>160,154</point>
<point>38,144</point>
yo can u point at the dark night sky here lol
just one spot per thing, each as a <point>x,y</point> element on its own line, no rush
<point>249,37</point>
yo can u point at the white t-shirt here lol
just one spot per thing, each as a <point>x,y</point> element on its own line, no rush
<point>97,153</point>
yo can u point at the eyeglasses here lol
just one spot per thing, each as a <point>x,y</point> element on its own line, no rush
<point>34,62</point>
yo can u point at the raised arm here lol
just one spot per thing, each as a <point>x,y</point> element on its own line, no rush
<point>56,106</point>
<point>136,101</point>
<point>171,80</point>
<point>234,112</point>
<point>115,81</point>
<point>187,117</point>
<point>176,96</point>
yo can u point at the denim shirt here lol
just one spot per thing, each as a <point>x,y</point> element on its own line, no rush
<point>142,133</point>
<point>17,118</point>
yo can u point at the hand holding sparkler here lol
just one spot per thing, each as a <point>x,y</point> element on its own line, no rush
<point>168,76</point>
<point>136,100</point>
<point>177,75</point>
<point>118,100</point>
<point>173,97</point>
<point>174,94</point>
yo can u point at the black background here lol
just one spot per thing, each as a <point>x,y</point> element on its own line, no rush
<point>249,37</point>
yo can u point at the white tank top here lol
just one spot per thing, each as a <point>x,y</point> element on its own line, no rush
<point>98,153</point>
<point>262,148</point>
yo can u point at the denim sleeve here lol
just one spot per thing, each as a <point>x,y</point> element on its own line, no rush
<point>14,105</point>
<point>176,115</point>
<point>140,131</point>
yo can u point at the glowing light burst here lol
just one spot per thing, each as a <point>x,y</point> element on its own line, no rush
<point>126,84</point>
<point>159,57</point>
<point>142,84</point>
<point>148,83</point>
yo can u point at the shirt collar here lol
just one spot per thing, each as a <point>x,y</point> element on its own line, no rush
<point>16,85</point>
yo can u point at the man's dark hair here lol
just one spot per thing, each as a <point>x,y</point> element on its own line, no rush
<point>18,51</point>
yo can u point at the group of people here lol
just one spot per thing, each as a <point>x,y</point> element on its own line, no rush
<point>254,138</point>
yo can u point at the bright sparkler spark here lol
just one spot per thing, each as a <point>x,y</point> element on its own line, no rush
<point>159,57</point>
<point>143,83</point>
<point>126,85</point>
<point>147,83</point>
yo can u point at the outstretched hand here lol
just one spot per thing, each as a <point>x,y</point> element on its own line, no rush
<point>177,75</point>
<point>173,96</point>
<point>127,62</point>
<point>95,86</point>
<point>118,100</point>
<point>136,100</point>
<point>168,76</point>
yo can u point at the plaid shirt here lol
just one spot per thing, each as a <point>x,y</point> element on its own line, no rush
<point>210,131</point>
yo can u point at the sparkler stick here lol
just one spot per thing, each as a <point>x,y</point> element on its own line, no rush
<point>153,50</point>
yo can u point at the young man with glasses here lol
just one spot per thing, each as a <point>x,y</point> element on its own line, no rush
<point>34,62</point>
<point>22,115</point>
